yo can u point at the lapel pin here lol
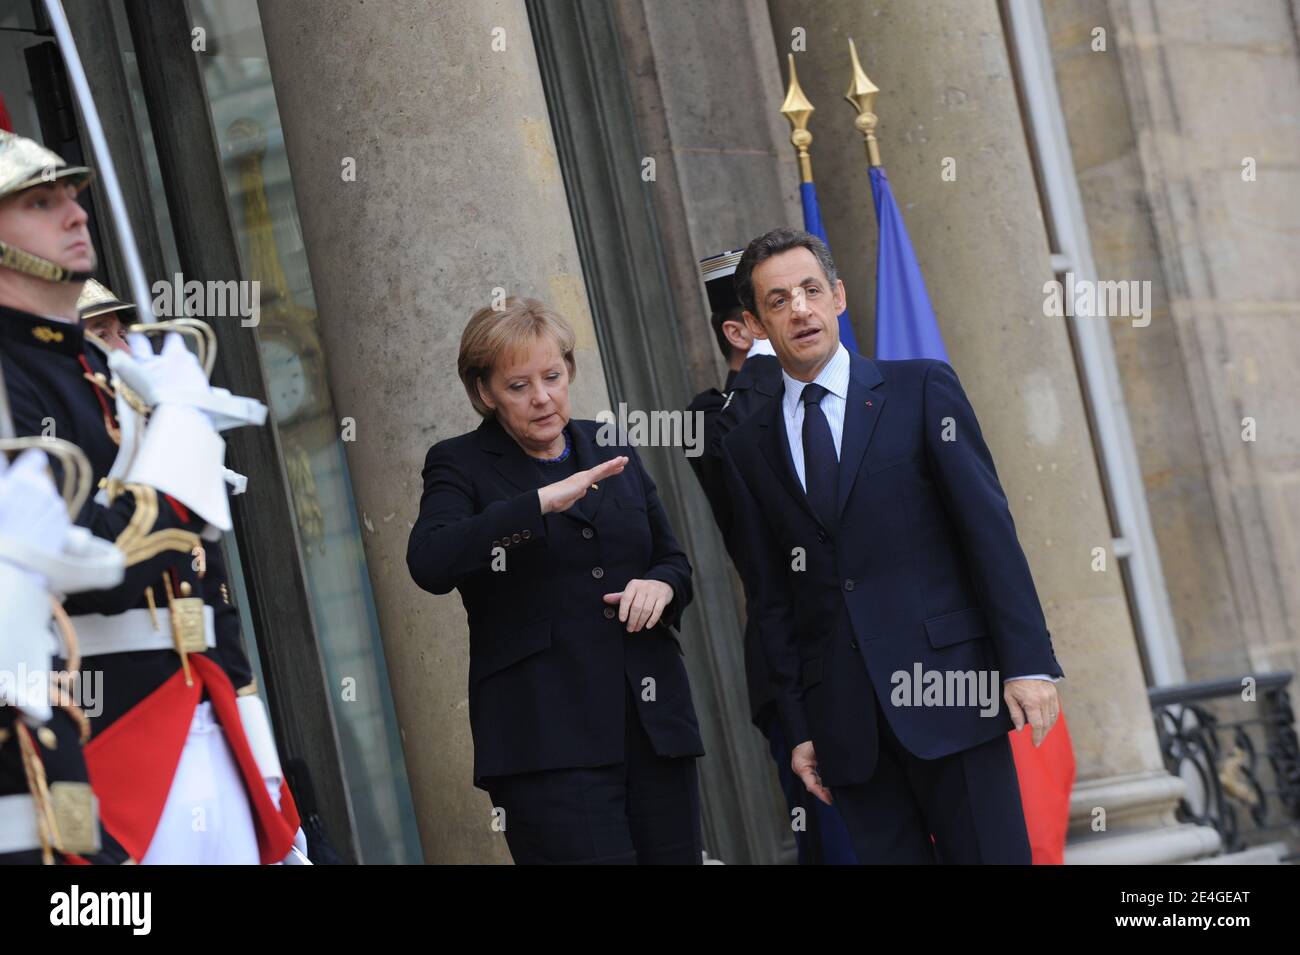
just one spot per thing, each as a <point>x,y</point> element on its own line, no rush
<point>868,404</point>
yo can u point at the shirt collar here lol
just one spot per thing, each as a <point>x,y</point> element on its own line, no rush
<point>834,377</point>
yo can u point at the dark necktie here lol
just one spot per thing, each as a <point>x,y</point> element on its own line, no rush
<point>820,465</point>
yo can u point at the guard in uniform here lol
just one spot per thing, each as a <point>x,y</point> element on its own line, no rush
<point>182,757</point>
<point>754,373</point>
<point>104,317</point>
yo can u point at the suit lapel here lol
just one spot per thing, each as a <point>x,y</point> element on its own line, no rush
<point>775,447</point>
<point>511,462</point>
<point>861,413</point>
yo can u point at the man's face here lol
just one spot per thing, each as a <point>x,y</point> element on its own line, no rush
<point>47,220</point>
<point>798,311</point>
<point>110,330</point>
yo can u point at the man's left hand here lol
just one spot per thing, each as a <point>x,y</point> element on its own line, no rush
<point>1034,702</point>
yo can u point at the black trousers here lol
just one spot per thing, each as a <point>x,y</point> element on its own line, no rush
<point>969,802</point>
<point>643,811</point>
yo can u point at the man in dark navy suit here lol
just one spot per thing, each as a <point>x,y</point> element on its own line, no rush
<point>894,604</point>
<point>753,373</point>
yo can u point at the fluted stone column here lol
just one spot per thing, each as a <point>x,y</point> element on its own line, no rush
<point>947,95</point>
<point>457,192</point>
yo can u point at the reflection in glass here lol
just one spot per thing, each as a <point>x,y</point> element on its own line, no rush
<point>242,101</point>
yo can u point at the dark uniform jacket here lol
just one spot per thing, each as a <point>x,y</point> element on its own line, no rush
<point>58,385</point>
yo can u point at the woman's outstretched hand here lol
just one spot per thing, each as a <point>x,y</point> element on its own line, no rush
<point>562,495</point>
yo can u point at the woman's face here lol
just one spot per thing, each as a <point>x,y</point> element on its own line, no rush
<point>530,394</point>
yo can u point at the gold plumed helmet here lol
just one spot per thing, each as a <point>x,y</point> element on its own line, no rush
<point>97,299</point>
<point>24,164</point>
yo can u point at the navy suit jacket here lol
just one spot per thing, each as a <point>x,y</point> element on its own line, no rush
<point>922,567</point>
<point>548,659</point>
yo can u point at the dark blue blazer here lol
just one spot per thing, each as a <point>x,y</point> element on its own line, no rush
<point>548,658</point>
<point>922,566</point>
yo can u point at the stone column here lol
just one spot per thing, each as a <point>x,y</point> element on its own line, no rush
<point>703,79</point>
<point>457,192</point>
<point>947,96</point>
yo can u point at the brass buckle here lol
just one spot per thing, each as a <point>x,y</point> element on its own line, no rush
<point>76,814</point>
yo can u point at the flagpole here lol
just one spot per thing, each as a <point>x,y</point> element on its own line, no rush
<point>862,96</point>
<point>798,110</point>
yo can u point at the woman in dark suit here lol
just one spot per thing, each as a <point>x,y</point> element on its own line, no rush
<point>584,730</point>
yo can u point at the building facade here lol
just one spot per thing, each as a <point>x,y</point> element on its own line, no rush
<point>381,170</point>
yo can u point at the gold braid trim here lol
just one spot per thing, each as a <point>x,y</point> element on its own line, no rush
<point>137,543</point>
<point>63,684</point>
<point>143,518</point>
<point>36,784</point>
<point>150,546</point>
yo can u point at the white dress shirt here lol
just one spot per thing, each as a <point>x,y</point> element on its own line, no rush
<point>834,377</point>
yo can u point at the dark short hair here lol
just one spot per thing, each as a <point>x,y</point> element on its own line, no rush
<point>774,243</point>
<point>717,319</point>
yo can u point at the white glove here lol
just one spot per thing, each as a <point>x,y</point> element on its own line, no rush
<point>238,483</point>
<point>38,539</point>
<point>26,644</point>
<point>174,377</point>
<point>33,521</point>
<point>32,515</point>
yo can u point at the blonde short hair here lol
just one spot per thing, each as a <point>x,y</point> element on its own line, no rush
<point>494,334</point>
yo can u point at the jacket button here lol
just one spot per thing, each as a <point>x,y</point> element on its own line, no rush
<point>588,533</point>
<point>598,572</point>
<point>853,644</point>
<point>516,538</point>
<point>610,613</point>
<point>848,584</point>
<point>821,536</point>
<point>527,534</point>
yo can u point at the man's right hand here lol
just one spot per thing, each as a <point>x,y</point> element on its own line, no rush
<point>562,495</point>
<point>804,763</point>
<point>31,511</point>
<point>173,376</point>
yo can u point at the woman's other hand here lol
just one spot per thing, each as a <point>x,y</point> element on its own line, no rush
<point>641,603</point>
<point>562,495</point>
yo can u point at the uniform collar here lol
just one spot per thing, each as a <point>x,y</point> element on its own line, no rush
<point>38,331</point>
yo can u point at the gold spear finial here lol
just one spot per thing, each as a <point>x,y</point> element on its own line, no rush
<point>798,110</point>
<point>862,95</point>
